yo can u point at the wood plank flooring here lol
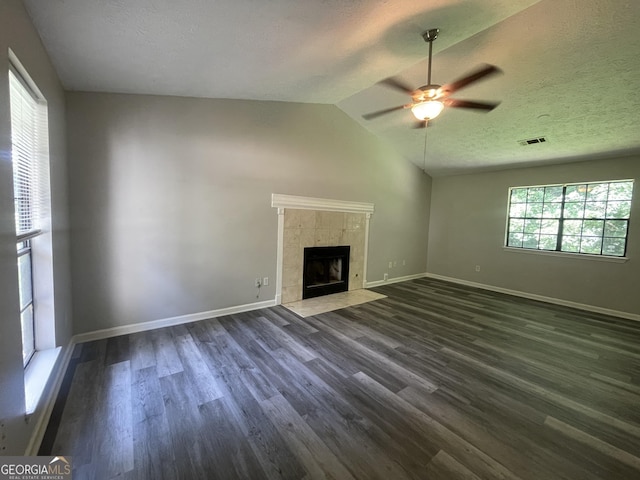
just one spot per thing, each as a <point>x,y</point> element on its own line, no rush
<point>436,381</point>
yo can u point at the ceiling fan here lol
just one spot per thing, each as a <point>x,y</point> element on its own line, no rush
<point>429,100</point>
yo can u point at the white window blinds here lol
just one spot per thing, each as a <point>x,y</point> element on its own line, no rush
<point>30,144</point>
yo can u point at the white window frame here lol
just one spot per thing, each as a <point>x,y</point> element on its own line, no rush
<point>562,218</point>
<point>38,234</point>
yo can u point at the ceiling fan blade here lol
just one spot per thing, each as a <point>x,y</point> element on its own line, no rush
<point>479,74</point>
<point>452,102</point>
<point>372,115</point>
<point>397,84</point>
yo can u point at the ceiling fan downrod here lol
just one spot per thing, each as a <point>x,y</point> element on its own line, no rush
<point>429,36</point>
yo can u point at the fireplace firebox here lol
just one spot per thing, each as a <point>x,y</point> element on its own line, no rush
<point>326,271</point>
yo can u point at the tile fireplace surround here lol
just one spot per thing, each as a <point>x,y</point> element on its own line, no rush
<point>313,222</point>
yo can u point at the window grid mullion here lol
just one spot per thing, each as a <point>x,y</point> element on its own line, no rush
<point>561,220</point>
<point>588,234</point>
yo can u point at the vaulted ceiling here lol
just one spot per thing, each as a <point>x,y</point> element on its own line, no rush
<point>571,67</point>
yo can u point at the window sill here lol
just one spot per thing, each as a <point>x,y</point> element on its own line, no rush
<point>577,256</point>
<point>36,376</point>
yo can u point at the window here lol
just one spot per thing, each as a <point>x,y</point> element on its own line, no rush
<point>589,218</point>
<point>25,283</point>
<point>30,158</point>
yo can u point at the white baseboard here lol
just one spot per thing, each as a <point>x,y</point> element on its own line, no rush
<point>168,322</point>
<point>541,298</point>
<point>379,283</point>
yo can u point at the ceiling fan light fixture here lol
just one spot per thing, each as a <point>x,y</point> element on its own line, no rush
<point>428,101</point>
<point>427,110</point>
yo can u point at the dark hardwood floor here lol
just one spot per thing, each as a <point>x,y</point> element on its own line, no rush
<point>437,381</point>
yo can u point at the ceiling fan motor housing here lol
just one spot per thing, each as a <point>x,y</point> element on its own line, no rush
<point>427,92</point>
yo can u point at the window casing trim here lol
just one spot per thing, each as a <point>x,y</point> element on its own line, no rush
<point>38,235</point>
<point>571,255</point>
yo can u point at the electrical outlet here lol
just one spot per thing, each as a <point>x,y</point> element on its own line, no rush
<point>477,268</point>
<point>265,281</point>
<point>258,284</point>
<point>404,262</point>
<point>386,277</point>
<point>3,437</point>
<point>390,264</point>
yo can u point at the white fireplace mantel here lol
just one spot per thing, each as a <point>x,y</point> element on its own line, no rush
<point>310,203</point>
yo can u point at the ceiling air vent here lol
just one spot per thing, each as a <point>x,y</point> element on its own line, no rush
<point>531,141</point>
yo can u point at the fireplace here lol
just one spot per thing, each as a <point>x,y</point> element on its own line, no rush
<point>325,271</point>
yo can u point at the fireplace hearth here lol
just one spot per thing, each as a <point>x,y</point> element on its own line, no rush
<point>325,271</point>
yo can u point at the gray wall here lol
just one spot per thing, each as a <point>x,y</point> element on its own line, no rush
<point>17,33</point>
<point>467,228</point>
<point>170,199</point>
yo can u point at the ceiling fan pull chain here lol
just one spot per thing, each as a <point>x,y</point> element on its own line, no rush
<point>424,158</point>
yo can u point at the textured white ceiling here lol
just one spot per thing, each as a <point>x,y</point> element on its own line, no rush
<point>571,74</point>
<point>571,66</point>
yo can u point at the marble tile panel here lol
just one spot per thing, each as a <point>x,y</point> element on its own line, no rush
<point>332,220</point>
<point>291,294</point>
<point>292,256</point>
<point>307,237</point>
<point>355,221</point>
<point>328,303</point>
<point>335,236</point>
<point>351,237</point>
<point>355,281</point>
<point>307,218</point>
<point>292,218</point>
<point>292,276</point>
<point>356,267</point>
<point>292,237</point>
<point>357,252</point>
<point>322,237</point>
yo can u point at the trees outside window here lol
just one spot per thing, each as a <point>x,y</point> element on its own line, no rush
<point>589,218</point>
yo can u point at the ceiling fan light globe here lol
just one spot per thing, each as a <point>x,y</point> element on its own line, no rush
<point>427,110</point>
